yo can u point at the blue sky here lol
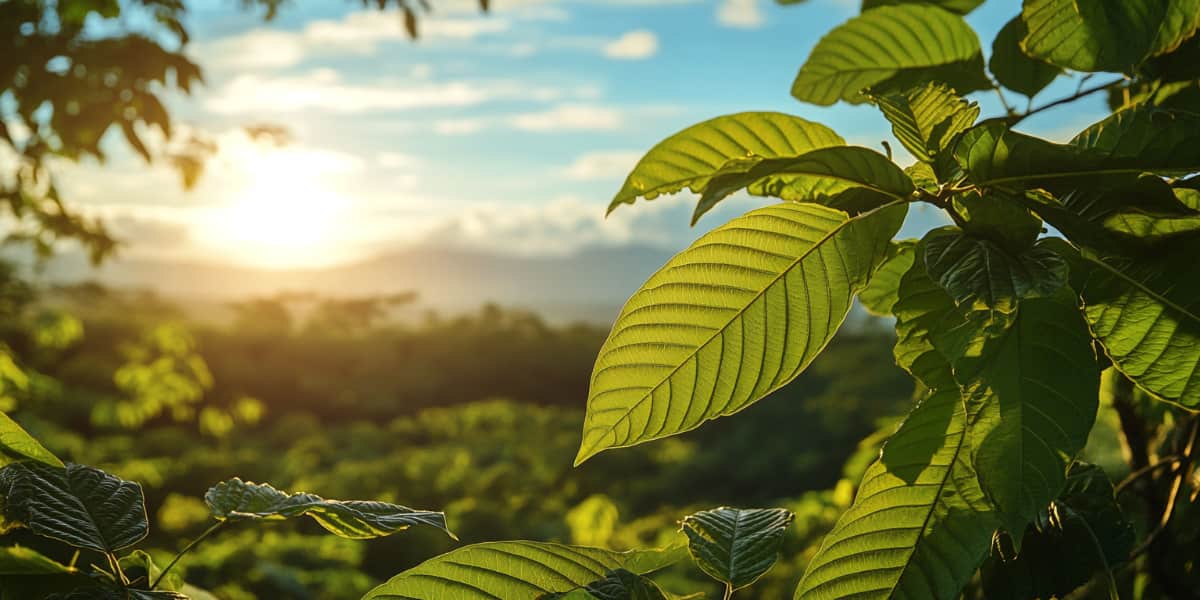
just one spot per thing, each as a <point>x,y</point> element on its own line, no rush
<point>508,131</point>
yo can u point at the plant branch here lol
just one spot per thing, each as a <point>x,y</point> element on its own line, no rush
<point>1073,97</point>
<point>207,532</point>
<point>1170,461</point>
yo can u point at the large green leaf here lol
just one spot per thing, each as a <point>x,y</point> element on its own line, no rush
<point>235,499</point>
<point>736,545</point>
<point>1083,534</point>
<point>516,570</point>
<point>881,293</point>
<point>731,143</point>
<point>920,524</point>
<point>733,317</point>
<point>927,325</point>
<point>18,560</point>
<point>1031,395</point>
<point>1106,35</point>
<point>849,178</point>
<point>1146,313</point>
<point>16,444</point>
<point>926,119</point>
<point>981,275</point>
<point>79,505</point>
<point>1012,67</point>
<point>891,48</point>
<point>961,7</point>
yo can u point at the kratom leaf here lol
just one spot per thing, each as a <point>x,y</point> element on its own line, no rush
<point>18,560</point>
<point>1106,35</point>
<point>999,217</point>
<point>78,505</point>
<point>235,499</point>
<point>732,143</point>
<point>1012,67</point>
<point>1145,311</point>
<point>920,524</point>
<point>618,584</point>
<point>735,316</point>
<point>734,545</point>
<point>961,7</point>
<point>16,444</point>
<point>887,49</point>
<point>923,309</point>
<point>980,275</point>
<point>516,569</point>
<point>881,293</point>
<point>142,571</point>
<point>927,119</point>
<point>1031,395</point>
<point>1083,535</point>
<point>821,176</point>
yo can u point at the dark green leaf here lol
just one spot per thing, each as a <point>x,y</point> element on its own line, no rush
<point>16,444</point>
<point>1106,35</point>
<point>999,217</point>
<point>849,178</point>
<point>766,291</point>
<point>961,7</point>
<point>888,49</point>
<point>926,119</point>
<point>516,570</point>
<point>735,545</point>
<point>881,293</point>
<point>355,519</point>
<point>79,505</point>
<point>619,584</point>
<point>732,143</point>
<point>928,324</point>
<point>1012,67</point>
<point>981,275</point>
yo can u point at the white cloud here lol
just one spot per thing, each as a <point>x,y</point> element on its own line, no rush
<point>396,160</point>
<point>603,165</point>
<point>634,45</point>
<point>458,126</point>
<point>744,14</point>
<point>575,117</point>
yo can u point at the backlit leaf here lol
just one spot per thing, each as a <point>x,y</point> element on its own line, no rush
<point>1013,68</point>
<point>961,7</point>
<point>18,560</point>
<point>890,48</point>
<point>738,314</point>
<point>881,293</point>
<point>16,444</point>
<point>927,119</point>
<point>355,519</point>
<point>1106,35</point>
<point>735,545</point>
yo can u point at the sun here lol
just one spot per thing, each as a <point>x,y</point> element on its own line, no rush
<point>284,216</point>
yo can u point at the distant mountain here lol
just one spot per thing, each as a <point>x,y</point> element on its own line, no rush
<point>588,285</point>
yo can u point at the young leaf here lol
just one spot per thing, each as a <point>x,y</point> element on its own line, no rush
<point>927,119</point>
<point>961,7</point>
<point>919,525</point>
<point>355,519</point>
<point>730,319</point>
<point>79,505</point>
<point>1012,67</point>
<point>849,178</point>
<point>1106,35</point>
<point>731,143</point>
<point>889,48</point>
<point>980,275</point>
<point>734,545</point>
<point>1145,310</point>
<point>516,570</point>
<point>16,444</point>
<point>1031,401</point>
<point>881,293</point>
<point>18,560</point>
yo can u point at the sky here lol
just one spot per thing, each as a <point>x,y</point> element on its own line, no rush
<point>506,132</point>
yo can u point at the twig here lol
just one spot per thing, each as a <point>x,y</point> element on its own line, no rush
<point>186,549</point>
<point>1071,98</point>
<point>1170,461</point>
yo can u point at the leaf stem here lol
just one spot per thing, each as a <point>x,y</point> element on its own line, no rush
<point>1073,97</point>
<point>115,565</point>
<point>728,590</point>
<point>207,532</point>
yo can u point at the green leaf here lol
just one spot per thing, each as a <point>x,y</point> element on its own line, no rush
<point>961,7</point>
<point>1031,395</point>
<point>1083,534</point>
<point>16,444</point>
<point>926,119</point>
<point>18,560</point>
<point>730,319</point>
<point>736,545</point>
<point>235,500</point>
<point>141,569</point>
<point>78,505</point>
<point>881,293</point>
<point>920,524</point>
<point>732,143</point>
<point>849,178</point>
<point>891,48</point>
<point>618,584</point>
<point>516,570</point>
<point>1012,67</point>
<point>1106,35</point>
<point>999,217</point>
<point>1145,311</point>
<point>982,276</point>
